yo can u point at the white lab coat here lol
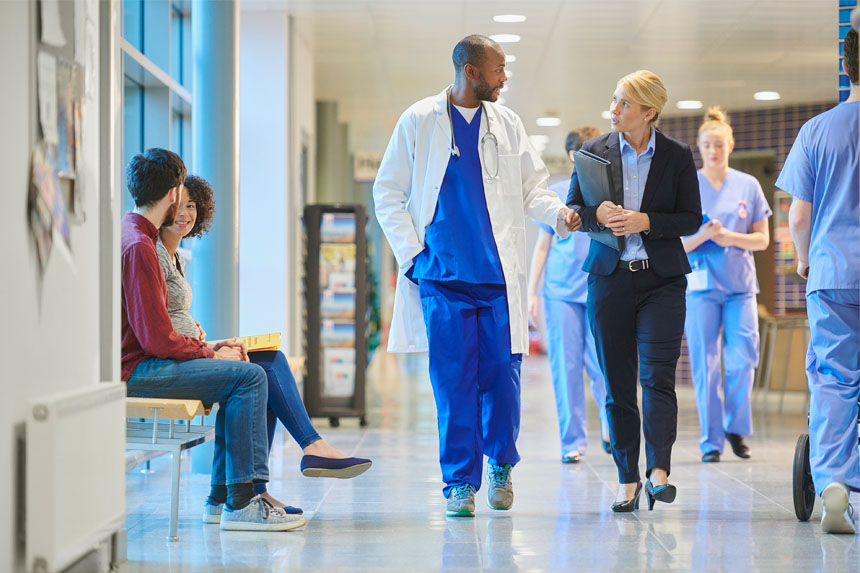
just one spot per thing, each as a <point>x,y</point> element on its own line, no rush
<point>407,187</point>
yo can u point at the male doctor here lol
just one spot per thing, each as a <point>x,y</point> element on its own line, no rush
<point>454,187</point>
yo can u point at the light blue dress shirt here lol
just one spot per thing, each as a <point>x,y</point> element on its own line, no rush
<point>634,171</point>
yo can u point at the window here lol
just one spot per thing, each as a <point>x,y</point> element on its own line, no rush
<point>157,102</point>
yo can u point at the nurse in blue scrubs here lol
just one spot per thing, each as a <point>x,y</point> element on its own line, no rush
<point>570,344</point>
<point>821,172</point>
<point>722,318</point>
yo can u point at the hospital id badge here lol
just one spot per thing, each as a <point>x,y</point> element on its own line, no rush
<point>697,280</point>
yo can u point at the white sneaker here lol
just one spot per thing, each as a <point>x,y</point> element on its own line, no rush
<point>838,515</point>
<point>212,513</point>
<point>259,515</point>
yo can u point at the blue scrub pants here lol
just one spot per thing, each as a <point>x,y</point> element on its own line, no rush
<point>570,346</point>
<point>833,371</point>
<point>736,314</point>
<point>475,378</point>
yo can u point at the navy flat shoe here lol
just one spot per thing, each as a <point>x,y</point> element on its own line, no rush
<point>316,466</point>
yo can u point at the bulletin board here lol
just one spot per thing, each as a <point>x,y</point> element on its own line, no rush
<point>57,81</point>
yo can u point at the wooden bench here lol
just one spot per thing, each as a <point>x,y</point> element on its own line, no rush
<point>163,434</point>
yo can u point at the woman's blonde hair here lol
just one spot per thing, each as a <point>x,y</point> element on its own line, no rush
<point>646,89</point>
<point>715,120</point>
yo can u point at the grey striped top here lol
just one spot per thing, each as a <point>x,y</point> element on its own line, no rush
<point>178,293</point>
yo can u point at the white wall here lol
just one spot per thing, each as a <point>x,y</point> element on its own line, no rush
<point>302,130</point>
<point>263,171</point>
<point>50,323</point>
<point>276,117</point>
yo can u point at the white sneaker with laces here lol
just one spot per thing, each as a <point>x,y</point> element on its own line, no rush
<point>259,515</point>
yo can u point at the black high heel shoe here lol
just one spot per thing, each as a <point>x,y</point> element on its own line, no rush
<point>665,493</point>
<point>628,505</point>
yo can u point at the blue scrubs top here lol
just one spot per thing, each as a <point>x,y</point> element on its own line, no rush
<point>738,204</point>
<point>459,244</point>
<point>564,279</point>
<point>822,169</point>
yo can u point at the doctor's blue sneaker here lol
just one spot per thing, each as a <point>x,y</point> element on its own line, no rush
<point>500,493</point>
<point>259,515</point>
<point>838,515</point>
<point>461,501</point>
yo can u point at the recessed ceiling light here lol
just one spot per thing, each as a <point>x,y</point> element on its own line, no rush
<point>509,18</point>
<point>504,89</point>
<point>605,114</point>
<point>510,58</point>
<point>689,104</point>
<point>505,38</point>
<point>766,96</point>
<point>509,73</point>
<point>548,121</point>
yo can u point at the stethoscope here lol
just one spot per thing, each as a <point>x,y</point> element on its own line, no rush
<point>487,138</point>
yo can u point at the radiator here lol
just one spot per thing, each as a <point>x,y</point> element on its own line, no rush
<point>75,474</point>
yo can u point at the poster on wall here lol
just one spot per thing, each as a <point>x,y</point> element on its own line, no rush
<point>52,30</point>
<point>41,213</point>
<point>66,140</point>
<point>46,66</point>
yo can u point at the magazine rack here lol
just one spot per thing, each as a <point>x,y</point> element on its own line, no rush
<point>336,311</point>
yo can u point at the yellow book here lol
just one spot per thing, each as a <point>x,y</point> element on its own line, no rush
<point>260,342</point>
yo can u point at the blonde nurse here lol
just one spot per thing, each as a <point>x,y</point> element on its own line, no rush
<point>722,318</point>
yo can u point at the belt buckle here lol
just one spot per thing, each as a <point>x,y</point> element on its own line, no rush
<point>630,266</point>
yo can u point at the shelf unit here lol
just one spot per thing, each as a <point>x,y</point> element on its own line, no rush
<point>335,311</point>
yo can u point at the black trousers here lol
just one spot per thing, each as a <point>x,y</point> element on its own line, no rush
<point>637,319</point>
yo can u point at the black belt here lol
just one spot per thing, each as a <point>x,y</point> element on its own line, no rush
<point>635,265</point>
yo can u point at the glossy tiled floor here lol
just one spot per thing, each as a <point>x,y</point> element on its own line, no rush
<point>736,515</point>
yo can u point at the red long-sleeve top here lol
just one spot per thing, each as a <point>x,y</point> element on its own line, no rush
<point>146,328</point>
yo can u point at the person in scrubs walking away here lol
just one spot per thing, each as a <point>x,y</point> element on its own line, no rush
<point>570,344</point>
<point>452,193</point>
<point>821,172</point>
<point>722,316</point>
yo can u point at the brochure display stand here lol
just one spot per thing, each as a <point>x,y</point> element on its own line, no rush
<point>336,311</point>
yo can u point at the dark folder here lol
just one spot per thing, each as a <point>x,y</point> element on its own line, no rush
<point>595,181</point>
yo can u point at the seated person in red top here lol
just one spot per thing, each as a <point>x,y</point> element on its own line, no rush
<point>194,216</point>
<point>157,362</point>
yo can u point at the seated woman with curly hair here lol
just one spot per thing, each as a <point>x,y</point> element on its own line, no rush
<point>285,404</point>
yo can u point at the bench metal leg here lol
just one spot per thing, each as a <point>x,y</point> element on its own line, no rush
<point>769,340</point>
<point>786,364</point>
<point>174,496</point>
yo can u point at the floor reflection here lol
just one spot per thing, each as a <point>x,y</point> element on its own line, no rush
<point>735,515</point>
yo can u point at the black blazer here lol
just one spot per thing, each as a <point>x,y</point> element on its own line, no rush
<point>671,200</point>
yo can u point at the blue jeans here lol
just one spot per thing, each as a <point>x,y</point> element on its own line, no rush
<point>240,390</point>
<point>285,403</point>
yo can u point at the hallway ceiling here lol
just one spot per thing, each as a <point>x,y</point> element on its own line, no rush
<point>376,57</point>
